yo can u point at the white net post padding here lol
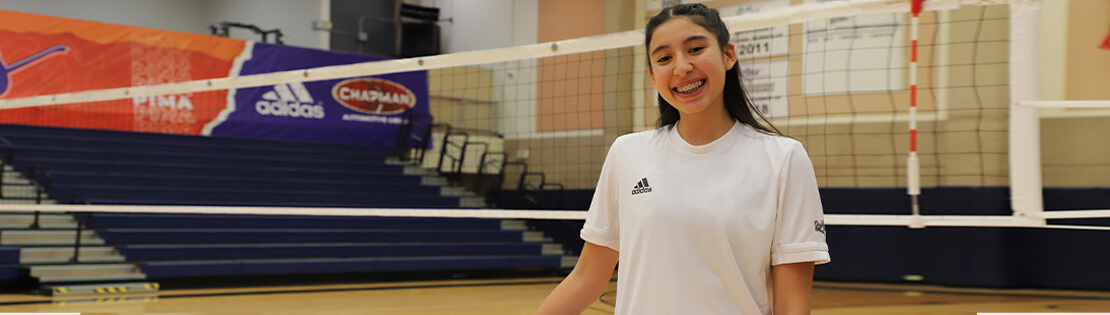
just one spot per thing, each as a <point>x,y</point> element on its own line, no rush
<point>1025,150</point>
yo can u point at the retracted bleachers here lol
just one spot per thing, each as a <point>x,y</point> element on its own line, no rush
<point>9,264</point>
<point>187,245</point>
<point>107,167</point>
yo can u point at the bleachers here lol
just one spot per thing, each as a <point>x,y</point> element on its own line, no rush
<point>164,252</point>
<point>183,269</point>
<point>106,167</point>
<point>9,264</point>
<point>175,246</point>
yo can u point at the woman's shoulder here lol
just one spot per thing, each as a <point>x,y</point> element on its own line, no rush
<point>769,138</point>
<point>641,137</point>
<point>772,141</point>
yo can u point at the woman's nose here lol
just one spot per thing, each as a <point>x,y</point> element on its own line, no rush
<point>682,67</point>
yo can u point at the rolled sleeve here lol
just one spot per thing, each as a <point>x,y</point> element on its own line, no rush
<point>795,253</point>
<point>600,237</point>
<point>800,224</point>
<point>603,220</point>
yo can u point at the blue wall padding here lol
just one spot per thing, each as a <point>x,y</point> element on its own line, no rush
<point>979,256</point>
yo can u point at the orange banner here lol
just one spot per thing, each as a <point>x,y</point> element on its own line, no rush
<point>44,55</point>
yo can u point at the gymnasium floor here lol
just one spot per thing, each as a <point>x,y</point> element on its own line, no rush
<point>521,296</point>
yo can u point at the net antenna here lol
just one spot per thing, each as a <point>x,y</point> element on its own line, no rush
<point>913,164</point>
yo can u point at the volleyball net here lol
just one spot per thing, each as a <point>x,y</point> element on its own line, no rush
<point>538,119</point>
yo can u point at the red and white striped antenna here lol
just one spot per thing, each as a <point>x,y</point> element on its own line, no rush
<point>913,164</point>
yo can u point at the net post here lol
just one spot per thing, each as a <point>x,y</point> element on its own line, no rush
<point>1026,197</point>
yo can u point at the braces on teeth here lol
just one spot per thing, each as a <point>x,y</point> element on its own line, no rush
<point>690,88</point>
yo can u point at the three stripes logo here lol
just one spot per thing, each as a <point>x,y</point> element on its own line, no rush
<point>642,187</point>
<point>289,100</point>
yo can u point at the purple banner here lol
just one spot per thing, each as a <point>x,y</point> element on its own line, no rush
<point>369,111</point>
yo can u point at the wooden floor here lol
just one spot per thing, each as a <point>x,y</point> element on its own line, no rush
<point>521,296</point>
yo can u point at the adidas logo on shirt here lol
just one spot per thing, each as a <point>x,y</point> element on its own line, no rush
<point>289,100</point>
<point>641,187</point>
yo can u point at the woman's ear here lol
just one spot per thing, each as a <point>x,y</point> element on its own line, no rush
<point>651,75</point>
<point>730,56</point>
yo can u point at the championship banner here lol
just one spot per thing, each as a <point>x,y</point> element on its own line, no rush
<point>41,55</point>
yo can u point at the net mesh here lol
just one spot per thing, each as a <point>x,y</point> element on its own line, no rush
<point>544,123</point>
<point>838,85</point>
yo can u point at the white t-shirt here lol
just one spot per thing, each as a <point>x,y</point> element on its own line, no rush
<point>698,227</point>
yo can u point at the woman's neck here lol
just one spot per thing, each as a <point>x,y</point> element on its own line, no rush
<point>703,128</point>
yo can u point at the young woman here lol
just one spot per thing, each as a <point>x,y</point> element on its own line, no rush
<point>712,213</point>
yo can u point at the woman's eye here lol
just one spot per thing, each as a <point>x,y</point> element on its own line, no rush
<point>696,49</point>
<point>662,60</point>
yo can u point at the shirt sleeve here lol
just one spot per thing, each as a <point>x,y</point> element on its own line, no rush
<point>800,224</point>
<point>603,220</point>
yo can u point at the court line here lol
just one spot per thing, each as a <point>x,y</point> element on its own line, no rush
<point>26,303</point>
<point>602,298</point>
<point>957,291</point>
<point>267,292</point>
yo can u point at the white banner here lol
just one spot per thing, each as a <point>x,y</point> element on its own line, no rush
<point>656,5</point>
<point>854,54</point>
<point>766,84</point>
<point>763,42</point>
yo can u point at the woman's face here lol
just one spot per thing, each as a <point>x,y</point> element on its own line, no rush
<point>688,67</point>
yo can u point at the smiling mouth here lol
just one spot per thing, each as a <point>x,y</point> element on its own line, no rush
<point>689,88</point>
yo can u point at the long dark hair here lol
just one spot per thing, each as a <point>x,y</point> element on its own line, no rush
<point>737,103</point>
